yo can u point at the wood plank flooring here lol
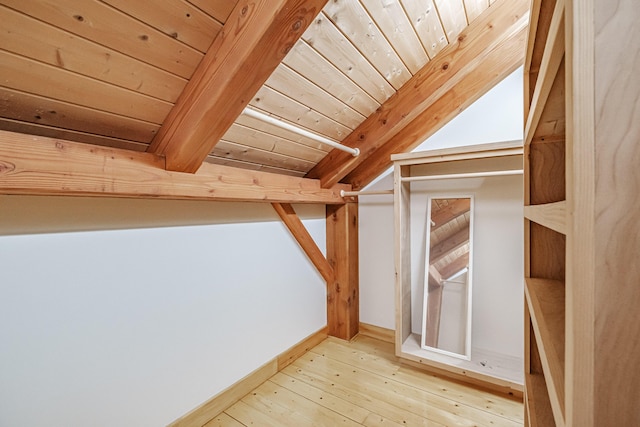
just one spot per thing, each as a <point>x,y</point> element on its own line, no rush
<point>361,383</point>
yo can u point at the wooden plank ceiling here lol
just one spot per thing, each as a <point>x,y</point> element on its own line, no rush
<point>174,77</point>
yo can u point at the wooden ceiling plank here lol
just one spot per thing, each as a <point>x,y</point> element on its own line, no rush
<point>102,24</point>
<point>278,132</point>
<point>251,166</point>
<point>254,40</point>
<point>26,107</point>
<point>353,21</point>
<point>295,86</point>
<point>425,20</point>
<point>330,43</point>
<point>281,106</point>
<point>249,137</point>
<point>291,220</point>
<point>475,8</point>
<point>453,17</point>
<point>235,151</point>
<point>69,135</point>
<point>219,9</point>
<point>46,166</point>
<point>394,23</point>
<point>309,63</point>
<point>24,74</point>
<point>177,19</point>
<point>37,40</point>
<point>504,22</point>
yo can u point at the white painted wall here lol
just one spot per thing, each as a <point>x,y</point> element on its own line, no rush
<point>136,327</point>
<point>497,116</point>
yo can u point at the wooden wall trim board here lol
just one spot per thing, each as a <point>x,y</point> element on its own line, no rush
<point>465,376</point>
<point>378,332</point>
<point>502,22</point>
<point>199,416</point>
<point>47,166</point>
<point>288,216</point>
<point>253,42</point>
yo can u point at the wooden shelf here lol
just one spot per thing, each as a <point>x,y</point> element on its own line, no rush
<point>546,302</point>
<point>550,215</point>
<point>551,59</point>
<point>537,401</point>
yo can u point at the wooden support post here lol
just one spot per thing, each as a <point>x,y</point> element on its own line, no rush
<point>342,253</point>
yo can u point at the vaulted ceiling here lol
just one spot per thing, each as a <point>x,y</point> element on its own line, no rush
<point>235,99</point>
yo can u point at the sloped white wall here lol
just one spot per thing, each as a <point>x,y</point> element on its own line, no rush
<point>136,327</point>
<point>497,116</point>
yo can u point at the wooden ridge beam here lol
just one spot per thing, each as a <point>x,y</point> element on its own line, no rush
<point>46,166</point>
<point>500,63</point>
<point>458,72</point>
<point>292,221</point>
<point>254,40</point>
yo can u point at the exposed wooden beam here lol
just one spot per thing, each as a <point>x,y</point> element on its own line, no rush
<point>448,245</point>
<point>254,40</point>
<point>46,166</point>
<point>342,254</point>
<point>503,21</point>
<point>288,216</point>
<point>451,211</point>
<point>454,266</point>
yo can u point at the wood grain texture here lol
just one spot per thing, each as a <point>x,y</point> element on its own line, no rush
<point>498,64</point>
<point>550,215</point>
<point>424,17</point>
<point>26,75</point>
<point>309,63</point>
<point>435,79</point>
<point>104,25</point>
<point>178,19</point>
<point>254,40</point>
<point>616,232</point>
<point>29,37</point>
<point>38,165</point>
<point>377,332</point>
<point>26,107</point>
<point>288,216</point>
<point>329,41</point>
<point>546,161</point>
<point>546,302</point>
<point>353,20</point>
<point>343,314</point>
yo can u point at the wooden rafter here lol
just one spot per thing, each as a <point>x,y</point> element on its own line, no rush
<point>46,166</point>
<point>254,40</point>
<point>502,23</point>
<point>292,221</point>
<point>448,245</point>
<point>451,211</point>
<point>455,266</point>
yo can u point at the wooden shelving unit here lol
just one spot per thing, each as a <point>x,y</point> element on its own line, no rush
<point>545,215</point>
<point>582,233</point>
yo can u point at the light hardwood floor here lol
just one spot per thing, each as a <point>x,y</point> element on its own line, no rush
<point>339,383</point>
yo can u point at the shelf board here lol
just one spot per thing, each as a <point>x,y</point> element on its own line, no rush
<point>546,302</point>
<point>537,401</point>
<point>551,59</point>
<point>550,215</point>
